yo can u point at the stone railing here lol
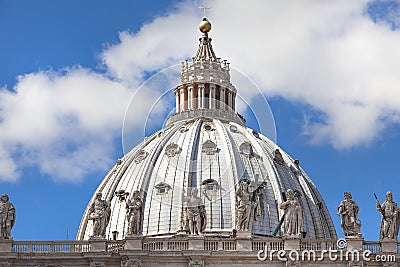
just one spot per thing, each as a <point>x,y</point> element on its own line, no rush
<point>207,113</point>
<point>318,245</point>
<point>63,246</point>
<point>157,244</point>
<point>50,246</point>
<point>186,243</point>
<point>373,246</point>
<point>267,244</point>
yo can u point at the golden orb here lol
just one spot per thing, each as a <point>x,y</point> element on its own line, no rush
<point>205,26</point>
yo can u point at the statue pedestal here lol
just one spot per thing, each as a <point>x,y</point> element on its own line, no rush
<point>133,242</point>
<point>389,246</point>
<point>196,243</point>
<point>354,243</point>
<point>6,245</point>
<point>291,243</point>
<point>243,240</point>
<point>97,244</point>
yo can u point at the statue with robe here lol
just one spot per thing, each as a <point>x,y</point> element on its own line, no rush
<point>348,210</point>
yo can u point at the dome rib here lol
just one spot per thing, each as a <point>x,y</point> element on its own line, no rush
<point>189,164</point>
<point>207,146</point>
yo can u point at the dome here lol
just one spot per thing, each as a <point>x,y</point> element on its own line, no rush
<point>206,146</point>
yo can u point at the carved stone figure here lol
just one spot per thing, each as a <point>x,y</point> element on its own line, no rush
<point>100,212</point>
<point>293,224</point>
<point>278,157</point>
<point>195,213</point>
<point>390,218</point>
<point>134,213</point>
<point>259,197</point>
<point>7,217</point>
<point>348,209</point>
<point>244,205</point>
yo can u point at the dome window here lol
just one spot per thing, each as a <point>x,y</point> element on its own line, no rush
<point>162,188</point>
<point>210,185</point>
<point>233,128</point>
<point>209,147</point>
<point>172,150</point>
<point>208,127</point>
<point>183,129</point>
<point>140,156</point>
<point>246,149</point>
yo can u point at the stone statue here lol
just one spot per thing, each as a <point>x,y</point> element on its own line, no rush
<point>100,212</point>
<point>278,157</point>
<point>348,209</point>
<point>258,197</point>
<point>195,213</point>
<point>134,213</point>
<point>293,223</point>
<point>7,217</point>
<point>390,218</point>
<point>244,205</point>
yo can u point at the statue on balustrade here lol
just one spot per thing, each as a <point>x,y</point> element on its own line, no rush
<point>293,216</point>
<point>7,217</point>
<point>100,212</point>
<point>195,213</point>
<point>390,218</point>
<point>348,209</point>
<point>134,213</point>
<point>278,157</point>
<point>244,206</point>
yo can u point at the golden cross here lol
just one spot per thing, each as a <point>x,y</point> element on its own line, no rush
<point>204,7</point>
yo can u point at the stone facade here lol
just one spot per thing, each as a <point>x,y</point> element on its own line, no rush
<point>197,252</point>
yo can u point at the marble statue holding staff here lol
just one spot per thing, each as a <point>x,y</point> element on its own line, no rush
<point>390,218</point>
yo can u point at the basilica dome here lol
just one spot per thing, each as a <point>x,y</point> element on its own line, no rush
<point>206,145</point>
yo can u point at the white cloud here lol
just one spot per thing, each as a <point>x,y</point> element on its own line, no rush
<point>327,54</point>
<point>8,168</point>
<point>159,44</point>
<point>64,122</point>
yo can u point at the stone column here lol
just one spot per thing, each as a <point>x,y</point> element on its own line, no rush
<point>222,97</point>
<point>233,101</point>
<point>212,96</point>
<point>177,102</point>
<point>202,98</point>
<point>182,100</point>
<point>229,100</point>
<point>190,98</point>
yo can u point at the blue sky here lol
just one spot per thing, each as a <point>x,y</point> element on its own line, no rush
<point>329,71</point>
